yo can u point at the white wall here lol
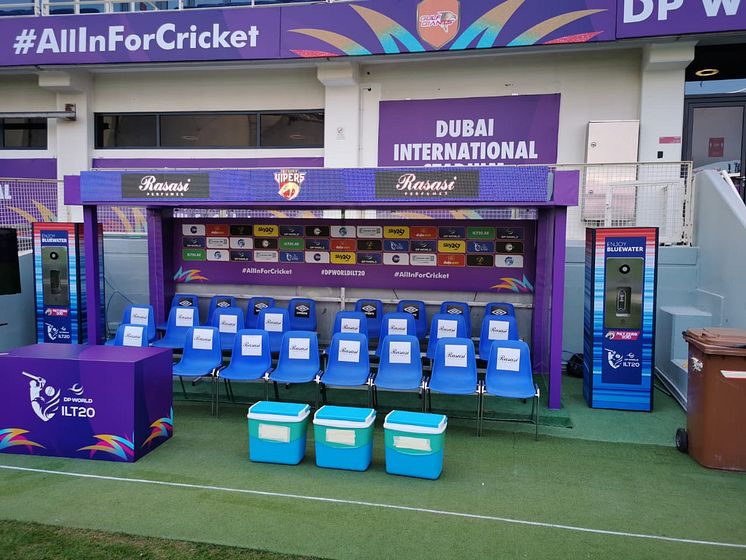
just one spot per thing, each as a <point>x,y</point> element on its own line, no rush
<point>22,93</point>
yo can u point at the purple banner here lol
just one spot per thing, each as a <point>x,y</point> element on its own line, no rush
<point>469,131</point>
<point>648,18</point>
<point>483,256</point>
<point>205,163</point>
<point>33,168</point>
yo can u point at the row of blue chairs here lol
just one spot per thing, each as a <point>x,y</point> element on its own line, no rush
<point>454,368</point>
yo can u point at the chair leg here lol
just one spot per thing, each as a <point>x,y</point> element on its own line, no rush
<point>266,389</point>
<point>183,389</point>
<point>277,391</point>
<point>429,401</point>
<point>217,398</point>
<point>536,420</point>
<point>230,390</point>
<point>479,414</point>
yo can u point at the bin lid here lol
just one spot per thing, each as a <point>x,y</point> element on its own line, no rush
<point>344,417</point>
<point>415,422</point>
<point>717,340</point>
<point>279,411</point>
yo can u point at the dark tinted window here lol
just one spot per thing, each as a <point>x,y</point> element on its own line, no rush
<point>23,133</point>
<point>126,131</point>
<point>208,131</point>
<point>291,130</point>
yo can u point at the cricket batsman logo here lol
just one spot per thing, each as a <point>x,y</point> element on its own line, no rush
<point>45,399</point>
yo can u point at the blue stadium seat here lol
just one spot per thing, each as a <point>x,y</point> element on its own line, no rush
<point>373,310</point>
<point>502,327</point>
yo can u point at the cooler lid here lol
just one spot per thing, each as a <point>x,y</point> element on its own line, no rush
<point>344,417</point>
<point>416,422</point>
<point>718,340</point>
<point>279,411</point>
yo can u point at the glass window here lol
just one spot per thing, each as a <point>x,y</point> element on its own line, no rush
<point>126,131</point>
<point>24,133</point>
<point>208,131</point>
<point>292,130</point>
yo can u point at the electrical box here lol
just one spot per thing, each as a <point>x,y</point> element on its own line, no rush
<point>59,273</point>
<point>619,319</point>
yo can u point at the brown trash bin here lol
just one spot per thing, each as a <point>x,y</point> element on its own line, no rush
<point>716,399</point>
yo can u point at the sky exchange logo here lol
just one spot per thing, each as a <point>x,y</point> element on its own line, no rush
<point>167,37</point>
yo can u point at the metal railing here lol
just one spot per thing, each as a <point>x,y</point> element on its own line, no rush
<point>25,201</point>
<point>634,195</point>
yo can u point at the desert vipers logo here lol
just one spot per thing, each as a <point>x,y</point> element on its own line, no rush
<point>289,181</point>
<point>165,185</point>
<point>438,21</point>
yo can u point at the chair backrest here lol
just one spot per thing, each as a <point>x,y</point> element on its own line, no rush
<point>276,321</point>
<point>502,327</point>
<point>131,335</point>
<point>299,353</point>
<point>219,302</point>
<point>256,304</point>
<point>458,308</point>
<point>398,324</point>
<point>202,347</point>
<point>185,300</point>
<point>251,350</point>
<point>444,325</point>
<point>141,315</point>
<point>302,314</point>
<point>399,357</point>
<point>348,355</point>
<point>181,319</point>
<point>373,310</point>
<point>350,322</point>
<point>509,369</point>
<point>454,358</point>
<point>416,309</point>
<point>228,320</point>
<point>499,309</point>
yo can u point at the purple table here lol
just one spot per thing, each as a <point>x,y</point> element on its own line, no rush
<point>107,403</point>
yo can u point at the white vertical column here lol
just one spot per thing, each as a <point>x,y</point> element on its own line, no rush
<point>341,114</point>
<point>74,138</point>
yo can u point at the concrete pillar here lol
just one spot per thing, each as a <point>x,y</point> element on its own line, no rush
<point>341,114</point>
<point>74,138</point>
<point>662,100</point>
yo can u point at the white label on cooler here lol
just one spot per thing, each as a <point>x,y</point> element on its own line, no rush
<point>396,259</point>
<point>132,336</point>
<point>423,260</point>
<point>242,243</point>
<point>228,324</point>
<point>217,242</point>
<point>417,444</point>
<point>508,359</point>
<point>299,348</point>
<point>446,329</point>
<point>341,437</point>
<point>218,255</point>
<point>191,230</point>
<point>251,345</point>
<point>184,317</point>
<point>498,330</point>
<point>400,353</point>
<point>272,432</point>
<point>266,256</point>
<point>139,315</point>
<point>273,322</point>
<point>455,355</point>
<point>349,351</point>
<point>202,339</point>
<point>369,232</point>
<point>317,257</point>
<point>343,231</point>
<point>349,326</point>
<point>509,261</point>
<point>397,326</point>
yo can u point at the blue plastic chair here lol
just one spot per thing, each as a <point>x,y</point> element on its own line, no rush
<point>348,322</point>
<point>219,302</point>
<point>348,365</point>
<point>256,304</point>
<point>499,309</point>
<point>299,360</point>
<point>251,360</point>
<point>228,321</point>
<point>130,335</point>
<point>180,320</point>
<point>276,321</point>
<point>181,300</point>
<point>415,308</point>
<point>455,371</point>
<point>509,374</point>
<point>458,308</point>
<point>503,327</point>
<point>138,315</point>
<point>397,324</point>
<point>373,310</point>
<point>444,325</point>
<point>302,314</point>
<point>201,357</point>
<point>400,366</point>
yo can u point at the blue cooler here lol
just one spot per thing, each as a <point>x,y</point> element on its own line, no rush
<point>344,437</point>
<point>414,443</point>
<point>277,432</point>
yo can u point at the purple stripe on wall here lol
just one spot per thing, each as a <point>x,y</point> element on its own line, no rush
<point>205,163</point>
<point>33,168</point>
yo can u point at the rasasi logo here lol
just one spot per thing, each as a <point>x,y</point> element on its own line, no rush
<point>289,181</point>
<point>150,185</point>
<point>409,184</point>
